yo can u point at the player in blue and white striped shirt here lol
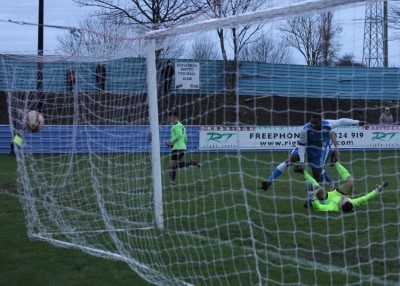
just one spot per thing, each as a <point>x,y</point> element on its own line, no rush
<point>314,141</point>
<point>315,144</point>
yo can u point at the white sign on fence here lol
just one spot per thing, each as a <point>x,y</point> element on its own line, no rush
<point>285,137</point>
<point>187,75</point>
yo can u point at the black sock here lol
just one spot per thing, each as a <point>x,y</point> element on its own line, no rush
<point>12,148</point>
<point>172,174</point>
<point>185,164</point>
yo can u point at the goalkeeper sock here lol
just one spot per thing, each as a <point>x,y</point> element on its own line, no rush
<point>344,174</point>
<point>172,174</point>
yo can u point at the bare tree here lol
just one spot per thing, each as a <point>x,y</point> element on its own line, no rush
<point>236,37</point>
<point>149,14</point>
<point>394,19</point>
<point>266,49</point>
<point>106,41</point>
<point>329,31</point>
<point>314,36</point>
<point>348,60</point>
<point>203,49</point>
<point>173,48</point>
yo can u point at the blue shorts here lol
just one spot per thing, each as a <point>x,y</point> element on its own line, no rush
<point>319,158</point>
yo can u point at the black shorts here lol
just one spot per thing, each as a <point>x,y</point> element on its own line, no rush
<point>176,155</point>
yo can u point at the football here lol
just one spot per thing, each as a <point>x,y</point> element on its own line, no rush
<point>34,121</point>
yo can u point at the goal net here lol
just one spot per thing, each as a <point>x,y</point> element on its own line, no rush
<point>99,176</point>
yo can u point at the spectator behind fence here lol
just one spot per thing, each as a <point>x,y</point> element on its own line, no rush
<point>70,79</point>
<point>386,117</point>
<point>167,74</point>
<point>101,76</point>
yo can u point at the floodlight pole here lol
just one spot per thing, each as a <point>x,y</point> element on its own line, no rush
<point>385,35</point>
<point>39,85</point>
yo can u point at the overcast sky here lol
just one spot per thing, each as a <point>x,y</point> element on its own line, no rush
<point>23,38</point>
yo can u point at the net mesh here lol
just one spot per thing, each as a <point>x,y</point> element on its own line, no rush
<point>87,176</point>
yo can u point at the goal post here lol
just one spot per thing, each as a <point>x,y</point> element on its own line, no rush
<point>154,131</point>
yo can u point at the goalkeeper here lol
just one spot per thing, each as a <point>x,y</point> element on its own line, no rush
<point>337,200</point>
<point>178,144</point>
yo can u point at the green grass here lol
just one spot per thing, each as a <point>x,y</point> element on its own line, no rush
<point>219,228</point>
<point>32,262</point>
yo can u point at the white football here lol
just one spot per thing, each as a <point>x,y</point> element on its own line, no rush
<point>34,121</point>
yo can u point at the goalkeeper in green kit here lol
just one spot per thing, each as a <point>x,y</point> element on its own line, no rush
<point>178,144</point>
<point>337,199</point>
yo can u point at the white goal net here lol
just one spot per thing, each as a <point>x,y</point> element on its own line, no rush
<point>99,176</point>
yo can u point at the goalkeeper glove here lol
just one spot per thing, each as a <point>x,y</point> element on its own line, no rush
<point>379,188</point>
<point>298,168</point>
<point>311,192</point>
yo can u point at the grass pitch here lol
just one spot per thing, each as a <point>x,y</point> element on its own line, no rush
<point>218,214</point>
<point>26,262</point>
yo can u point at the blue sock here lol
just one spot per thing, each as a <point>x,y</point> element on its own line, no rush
<point>277,171</point>
<point>275,174</point>
<point>326,177</point>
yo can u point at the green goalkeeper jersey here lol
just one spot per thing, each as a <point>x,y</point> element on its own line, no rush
<point>178,136</point>
<point>332,201</point>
